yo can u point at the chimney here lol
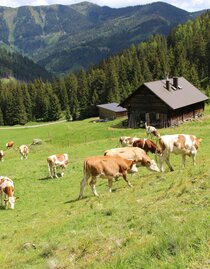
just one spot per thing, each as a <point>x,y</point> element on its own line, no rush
<point>175,82</point>
<point>168,85</point>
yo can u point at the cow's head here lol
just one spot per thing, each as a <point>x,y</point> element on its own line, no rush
<point>153,166</point>
<point>10,202</point>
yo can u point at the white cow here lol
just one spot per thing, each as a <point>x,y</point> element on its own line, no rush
<point>183,144</point>
<point>55,161</point>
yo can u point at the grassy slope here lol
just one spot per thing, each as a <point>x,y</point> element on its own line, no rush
<point>160,223</point>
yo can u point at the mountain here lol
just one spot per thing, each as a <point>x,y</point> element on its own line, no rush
<point>13,64</point>
<point>67,38</point>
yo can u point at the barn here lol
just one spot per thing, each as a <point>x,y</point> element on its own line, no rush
<point>164,103</point>
<point>111,111</point>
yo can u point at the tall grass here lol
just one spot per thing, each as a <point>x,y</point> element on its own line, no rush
<point>160,223</point>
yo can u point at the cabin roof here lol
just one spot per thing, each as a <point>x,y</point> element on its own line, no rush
<point>115,107</point>
<point>184,95</point>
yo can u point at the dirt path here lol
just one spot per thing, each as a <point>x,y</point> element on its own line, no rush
<point>32,126</point>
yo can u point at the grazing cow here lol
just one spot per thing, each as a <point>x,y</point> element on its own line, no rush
<point>186,145</point>
<point>24,151</point>
<point>37,141</point>
<point>148,145</point>
<point>136,154</point>
<point>2,154</point>
<point>110,167</point>
<point>127,141</point>
<point>55,161</point>
<point>9,144</point>
<point>7,192</point>
<point>152,131</point>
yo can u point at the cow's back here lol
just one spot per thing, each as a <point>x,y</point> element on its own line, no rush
<point>107,165</point>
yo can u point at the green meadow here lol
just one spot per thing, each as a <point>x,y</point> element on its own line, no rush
<point>162,222</point>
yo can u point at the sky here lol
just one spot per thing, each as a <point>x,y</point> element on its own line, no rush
<point>188,5</point>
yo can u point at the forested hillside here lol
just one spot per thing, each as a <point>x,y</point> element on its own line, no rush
<point>68,38</point>
<point>184,53</point>
<point>13,64</point>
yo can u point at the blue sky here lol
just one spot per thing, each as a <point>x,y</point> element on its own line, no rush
<point>189,5</point>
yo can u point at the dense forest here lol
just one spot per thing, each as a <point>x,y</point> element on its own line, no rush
<point>13,64</point>
<point>185,52</point>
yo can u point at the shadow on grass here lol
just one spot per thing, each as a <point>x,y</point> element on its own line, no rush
<point>49,178</point>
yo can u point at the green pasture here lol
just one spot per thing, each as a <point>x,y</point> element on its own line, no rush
<point>162,222</point>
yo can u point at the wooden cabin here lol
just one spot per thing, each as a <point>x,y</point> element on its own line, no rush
<point>111,111</point>
<point>164,103</point>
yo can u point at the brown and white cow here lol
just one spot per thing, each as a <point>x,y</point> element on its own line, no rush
<point>148,145</point>
<point>57,161</point>
<point>110,167</point>
<point>183,144</point>
<point>2,154</point>
<point>10,144</point>
<point>7,192</point>
<point>136,154</point>
<point>24,151</point>
<point>127,141</point>
<point>151,131</point>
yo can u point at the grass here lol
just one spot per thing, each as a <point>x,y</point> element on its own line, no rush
<point>163,222</point>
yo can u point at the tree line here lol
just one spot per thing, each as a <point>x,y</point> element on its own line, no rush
<point>185,52</point>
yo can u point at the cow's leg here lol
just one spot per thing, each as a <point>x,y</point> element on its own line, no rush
<point>50,170</point>
<point>2,198</point>
<point>125,178</point>
<point>6,201</point>
<point>194,159</point>
<point>93,186</point>
<point>82,186</point>
<point>55,171</point>
<point>168,163</point>
<point>183,160</point>
<point>62,171</point>
<point>110,184</point>
<point>165,158</point>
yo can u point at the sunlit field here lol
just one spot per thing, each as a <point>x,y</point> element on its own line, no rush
<point>162,222</point>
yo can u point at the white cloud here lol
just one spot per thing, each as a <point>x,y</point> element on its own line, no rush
<point>189,5</point>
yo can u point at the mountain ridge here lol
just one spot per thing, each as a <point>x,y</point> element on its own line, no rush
<point>65,38</point>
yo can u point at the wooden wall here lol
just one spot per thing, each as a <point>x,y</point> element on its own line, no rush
<point>146,106</point>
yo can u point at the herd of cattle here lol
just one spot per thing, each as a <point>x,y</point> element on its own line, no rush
<point>115,162</point>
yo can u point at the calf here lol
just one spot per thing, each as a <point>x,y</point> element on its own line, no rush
<point>9,144</point>
<point>183,144</point>
<point>2,154</point>
<point>24,151</point>
<point>55,161</point>
<point>109,167</point>
<point>136,154</point>
<point>148,145</point>
<point>7,192</point>
<point>127,141</point>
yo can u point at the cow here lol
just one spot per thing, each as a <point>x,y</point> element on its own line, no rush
<point>24,151</point>
<point>2,154</point>
<point>183,144</point>
<point>136,154</point>
<point>7,192</point>
<point>55,161</point>
<point>127,141</point>
<point>110,167</point>
<point>10,144</point>
<point>151,131</point>
<point>148,145</point>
